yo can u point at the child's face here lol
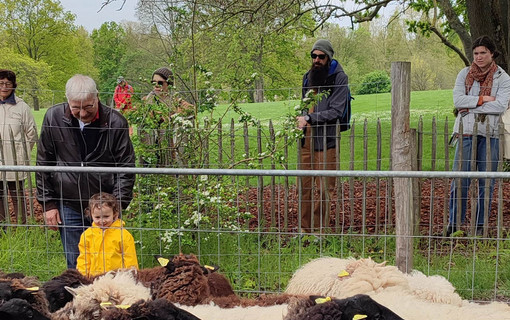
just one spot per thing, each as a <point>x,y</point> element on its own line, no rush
<point>104,216</point>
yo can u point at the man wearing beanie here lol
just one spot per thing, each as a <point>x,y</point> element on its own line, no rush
<point>318,147</point>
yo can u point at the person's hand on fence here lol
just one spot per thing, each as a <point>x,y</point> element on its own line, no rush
<point>301,122</point>
<point>52,219</point>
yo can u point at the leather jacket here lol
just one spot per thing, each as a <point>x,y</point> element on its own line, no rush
<point>59,145</point>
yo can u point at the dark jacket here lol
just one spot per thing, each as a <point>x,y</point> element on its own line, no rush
<point>62,143</point>
<point>330,108</point>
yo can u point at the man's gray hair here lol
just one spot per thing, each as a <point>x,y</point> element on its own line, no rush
<point>81,88</point>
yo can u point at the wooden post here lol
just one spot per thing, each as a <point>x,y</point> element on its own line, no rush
<point>401,147</point>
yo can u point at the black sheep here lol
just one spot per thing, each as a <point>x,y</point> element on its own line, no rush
<point>55,290</point>
<point>20,309</point>
<point>159,309</point>
<point>320,308</point>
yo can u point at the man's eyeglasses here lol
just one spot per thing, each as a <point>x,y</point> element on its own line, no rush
<point>7,84</point>
<point>320,56</point>
<point>158,83</point>
<point>86,108</point>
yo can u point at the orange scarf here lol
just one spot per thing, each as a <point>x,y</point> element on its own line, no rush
<point>485,78</point>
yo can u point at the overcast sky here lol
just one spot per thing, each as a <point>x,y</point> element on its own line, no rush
<point>87,14</point>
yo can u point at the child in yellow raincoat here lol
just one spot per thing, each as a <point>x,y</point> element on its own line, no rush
<point>106,245</point>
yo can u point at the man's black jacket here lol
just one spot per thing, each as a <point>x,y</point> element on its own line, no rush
<point>62,143</point>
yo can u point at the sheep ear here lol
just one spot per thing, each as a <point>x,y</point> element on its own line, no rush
<point>212,268</point>
<point>71,291</point>
<point>209,269</point>
<point>319,299</point>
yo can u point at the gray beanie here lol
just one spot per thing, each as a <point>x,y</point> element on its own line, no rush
<point>166,74</point>
<point>324,46</point>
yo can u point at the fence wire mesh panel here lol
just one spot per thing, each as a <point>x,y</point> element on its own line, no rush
<point>247,222</point>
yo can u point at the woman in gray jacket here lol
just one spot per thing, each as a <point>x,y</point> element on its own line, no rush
<point>17,125</point>
<point>481,95</point>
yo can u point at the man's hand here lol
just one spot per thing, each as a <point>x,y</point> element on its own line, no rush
<point>301,122</point>
<point>52,219</point>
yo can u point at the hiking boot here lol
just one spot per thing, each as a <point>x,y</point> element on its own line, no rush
<point>451,229</point>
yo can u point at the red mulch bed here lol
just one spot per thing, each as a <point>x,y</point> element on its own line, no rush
<point>433,216</point>
<point>352,219</point>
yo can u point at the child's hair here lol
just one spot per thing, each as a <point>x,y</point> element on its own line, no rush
<point>103,199</point>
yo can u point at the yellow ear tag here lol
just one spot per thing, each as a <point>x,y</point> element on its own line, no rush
<point>343,273</point>
<point>105,304</point>
<point>163,261</point>
<point>209,267</point>
<point>33,289</point>
<point>359,316</point>
<point>322,300</point>
<point>122,306</point>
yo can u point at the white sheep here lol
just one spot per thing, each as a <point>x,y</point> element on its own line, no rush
<point>412,296</point>
<point>116,288</point>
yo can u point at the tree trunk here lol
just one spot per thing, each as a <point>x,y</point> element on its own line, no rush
<point>259,89</point>
<point>491,18</point>
<point>259,81</point>
<point>35,103</point>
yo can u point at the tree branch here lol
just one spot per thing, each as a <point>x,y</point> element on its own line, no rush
<point>457,26</point>
<point>446,42</point>
<point>107,2</point>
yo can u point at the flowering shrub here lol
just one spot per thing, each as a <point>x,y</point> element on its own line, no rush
<point>181,206</point>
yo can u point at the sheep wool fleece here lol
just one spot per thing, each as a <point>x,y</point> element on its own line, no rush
<point>103,250</point>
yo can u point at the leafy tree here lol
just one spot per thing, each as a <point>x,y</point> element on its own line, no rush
<point>109,49</point>
<point>29,74</point>
<point>33,27</point>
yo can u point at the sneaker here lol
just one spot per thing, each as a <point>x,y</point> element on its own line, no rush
<point>479,231</point>
<point>451,229</point>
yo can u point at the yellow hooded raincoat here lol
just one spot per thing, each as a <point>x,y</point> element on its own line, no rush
<point>107,249</point>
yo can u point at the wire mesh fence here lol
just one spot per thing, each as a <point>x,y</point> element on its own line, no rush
<point>253,235</point>
<point>239,203</point>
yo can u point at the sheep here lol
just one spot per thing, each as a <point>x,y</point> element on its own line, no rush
<point>412,296</point>
<point>159,309</point>
<point>213,312</point>
<point>117,288</point>
<point>219,286</point>
<point>55,290</point>
<point>321,277</point>
<point>20,309</point>
<point>187,284</point>
<point>26,289</point>
<point>319,308</point>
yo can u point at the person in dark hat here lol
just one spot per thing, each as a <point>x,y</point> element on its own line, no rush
<point>326,77</point>
<point>163,81</point>
<point>162,105</point>
<point>122,95</point>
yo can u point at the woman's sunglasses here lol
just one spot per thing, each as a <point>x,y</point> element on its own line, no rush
<point>158,83</point>
<point>320,56</point>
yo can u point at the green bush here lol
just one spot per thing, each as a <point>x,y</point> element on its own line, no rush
<point>375,82</point>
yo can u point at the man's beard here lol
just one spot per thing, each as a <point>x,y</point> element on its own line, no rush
<point>317,75</point>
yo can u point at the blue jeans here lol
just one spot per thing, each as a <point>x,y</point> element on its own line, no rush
<point>481,165</point>
<point>73,225</point>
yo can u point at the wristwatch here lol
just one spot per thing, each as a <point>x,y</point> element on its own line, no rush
<point>307,118</point>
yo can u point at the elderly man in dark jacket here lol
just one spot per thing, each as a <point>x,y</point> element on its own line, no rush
<point>81,132</point>
<point>326,77</point>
